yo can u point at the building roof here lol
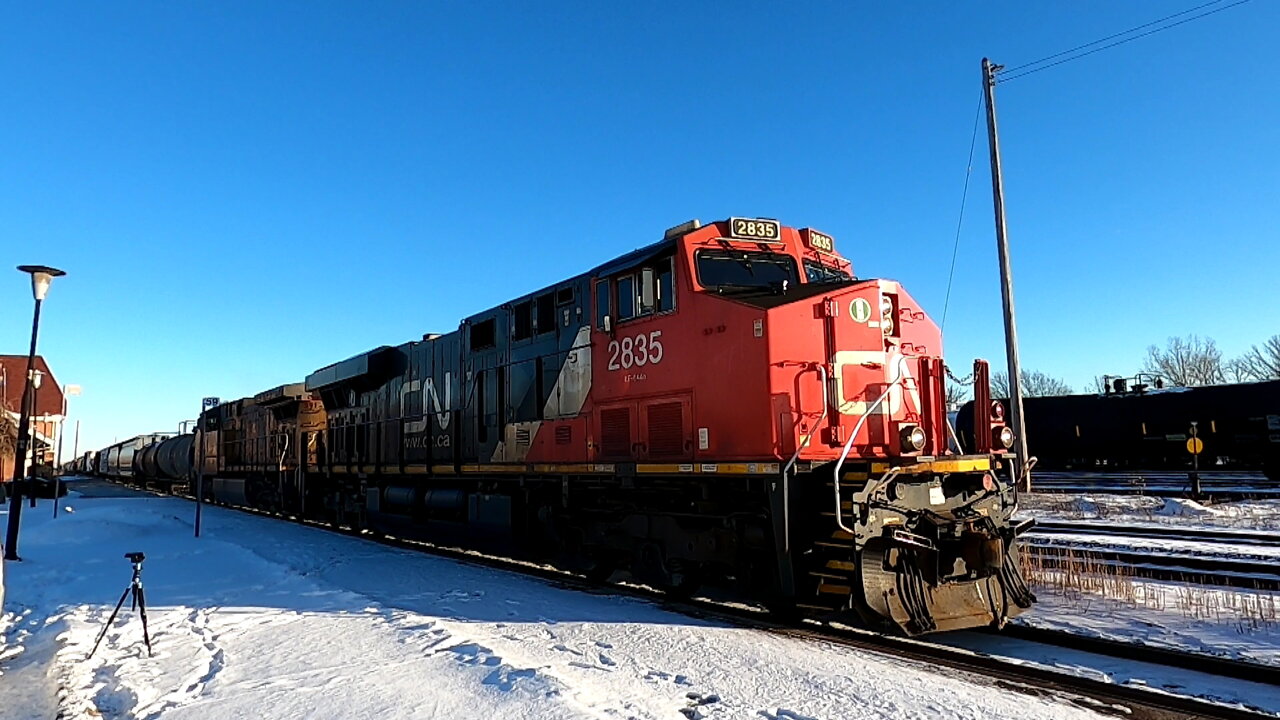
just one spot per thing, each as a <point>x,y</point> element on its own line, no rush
<point>12,370</point>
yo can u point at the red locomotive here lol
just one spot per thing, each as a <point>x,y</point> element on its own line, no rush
<point>728,403</point>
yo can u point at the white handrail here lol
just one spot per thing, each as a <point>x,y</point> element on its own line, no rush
<point>956,438</point>
<point>826,403</point>
<point>848,445</point>
<point>786,482</point>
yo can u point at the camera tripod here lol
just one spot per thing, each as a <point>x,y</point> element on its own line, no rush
<point>138,600</point>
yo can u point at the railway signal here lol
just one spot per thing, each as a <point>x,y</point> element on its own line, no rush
<point>1195,446</point>
<point>205,404</point>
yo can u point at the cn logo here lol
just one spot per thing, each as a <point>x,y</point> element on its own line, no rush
<point>441,411</point>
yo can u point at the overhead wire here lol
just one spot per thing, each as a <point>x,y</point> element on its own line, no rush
<point>968,172</point>
<point>1139,36</point>
<point>1112,37</point>
<point>1066,56</point>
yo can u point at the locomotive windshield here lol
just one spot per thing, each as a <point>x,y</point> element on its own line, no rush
<point>816,272</point>
<point>739,270</point>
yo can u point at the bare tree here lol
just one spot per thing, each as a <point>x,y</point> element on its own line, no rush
<point>8,436</point>
<point>1187,362</point>
<point>957,395</point>
<point>1238,370</point>
<point>1100,384</point>
<point>1034,384</point>
<point>1260,363</point>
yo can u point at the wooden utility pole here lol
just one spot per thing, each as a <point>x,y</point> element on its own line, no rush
<point>1017,421</point>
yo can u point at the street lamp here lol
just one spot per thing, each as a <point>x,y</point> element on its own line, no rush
<point>41,278</point>
<point>67,391</point>
<point>35,376</point>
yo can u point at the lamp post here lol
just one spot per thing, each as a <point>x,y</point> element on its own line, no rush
<point>67,391</point>
<point>41,278</point>
<point>36,376</point>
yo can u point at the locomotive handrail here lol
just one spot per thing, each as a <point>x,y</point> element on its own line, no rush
<point>848,445</point>
<point>952,431</point>
<point>826,403</point>
<point>786,481</point>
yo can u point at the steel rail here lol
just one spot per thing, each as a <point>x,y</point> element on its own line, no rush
<point>1200,570</point>
<point>1199,662</point>
<point>1197,534</point>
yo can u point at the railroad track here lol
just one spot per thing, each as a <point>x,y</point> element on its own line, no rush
<point>1161,532</point>
<point>1064,544</point>
<point>1250,574</point>
<point>1221,485</point>
<point>1128,701</point>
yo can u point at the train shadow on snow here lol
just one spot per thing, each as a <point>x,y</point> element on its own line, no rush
<point>245,562</point>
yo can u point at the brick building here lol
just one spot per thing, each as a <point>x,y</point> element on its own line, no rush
<point>44,418</point>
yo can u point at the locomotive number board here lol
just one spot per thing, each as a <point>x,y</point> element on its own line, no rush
<point>821,242</point>
<point>755,229</point>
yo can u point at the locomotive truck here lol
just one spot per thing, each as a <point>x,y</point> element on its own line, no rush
<point>727,404</point>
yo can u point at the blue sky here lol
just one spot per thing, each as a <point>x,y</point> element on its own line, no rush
<point>243,192</point>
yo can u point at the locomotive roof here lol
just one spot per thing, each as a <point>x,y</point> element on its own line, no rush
<point>635,257</point>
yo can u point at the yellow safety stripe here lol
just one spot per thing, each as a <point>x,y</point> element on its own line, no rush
<point>709,468</point>
<point>949,465</point>
<point>555,468</point>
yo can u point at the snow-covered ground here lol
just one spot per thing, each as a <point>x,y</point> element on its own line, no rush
<point>1227,622</point>
<point>261,618</point>
<point>1136,509</point>
<point>1224,622</point>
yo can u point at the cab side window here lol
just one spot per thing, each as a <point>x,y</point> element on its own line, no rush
<point>645,291</point>
<point>604,302</point>
<point>666,291</point>
<point>626,297</point>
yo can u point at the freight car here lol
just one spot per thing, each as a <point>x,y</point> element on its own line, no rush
<point>729,403</point>
<point>135,457</point>
<point>1141,424</point>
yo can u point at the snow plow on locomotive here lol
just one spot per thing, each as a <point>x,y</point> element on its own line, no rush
<point>727,404</point>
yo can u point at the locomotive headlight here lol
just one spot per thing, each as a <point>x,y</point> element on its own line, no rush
<point>1005,436</point>
<point>997,411</point>
<point>913,438</point>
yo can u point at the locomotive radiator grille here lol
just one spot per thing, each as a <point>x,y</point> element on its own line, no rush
<point>666,429</point>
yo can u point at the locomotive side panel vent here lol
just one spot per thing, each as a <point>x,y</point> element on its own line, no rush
<point>666,429</point>
<point>615,432</point>
<point>564,434</point>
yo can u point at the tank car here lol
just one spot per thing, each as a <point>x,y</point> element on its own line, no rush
<point>730,403</point>
<point>1142,424</point>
